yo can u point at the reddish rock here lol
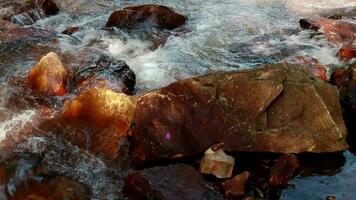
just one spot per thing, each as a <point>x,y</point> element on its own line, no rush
<point>236,187</point>
<point>71,30</point>
<point>312,65</point>
<point>161,16</point>
<point>51,189</point>
<point>284,169</point>
<point>339,76</point>
<point>347,52</point>
<point>275,108</point>
<point>177,181</point>
<point>345,79</point>
<point>338,32</point>
<point>49,76</point>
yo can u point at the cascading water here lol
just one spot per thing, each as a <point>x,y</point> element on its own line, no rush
<point>219,35</point>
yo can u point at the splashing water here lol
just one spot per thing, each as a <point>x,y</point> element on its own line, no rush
<point>219,35</point>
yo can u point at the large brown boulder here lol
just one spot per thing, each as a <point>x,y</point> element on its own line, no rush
<point>275,108</point>
<point>177,181</point>
<point>161,16</point>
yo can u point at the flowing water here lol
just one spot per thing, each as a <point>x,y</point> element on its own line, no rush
<point>219,35</point>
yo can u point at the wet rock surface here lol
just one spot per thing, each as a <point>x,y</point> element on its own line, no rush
<point>256,110</point>
<point>156,15</point>
<point>284,169</point>
<point>95,69</point>
<point>236,187</point>
<point>49,76</point>
<point>177,181</point>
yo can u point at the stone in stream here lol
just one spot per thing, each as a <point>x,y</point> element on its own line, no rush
<point>49,76</point>
<point>347,52</point>
<point>98,120</point>
<point>14,37</point>
<point>178,181</point>
<point>274,108</point>
<point>236,187</point>
<point>95,69</point>
<point>337,32</point>
<point>284,169</point>
<point>26,12</point>
<point>71,30</point>
<point>157,15</point>
<point>51,189</point>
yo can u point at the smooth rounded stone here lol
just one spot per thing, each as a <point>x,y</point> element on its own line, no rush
<point>95,69</point>
<point>71,30</point>
<point>49,76</point>
<point>284,169</point>
<point>178,181</point>
<point>156,15</point>
<point>102,108</point>
<point>236,187</point>
<point>274,108</point>
<point>51,189</point>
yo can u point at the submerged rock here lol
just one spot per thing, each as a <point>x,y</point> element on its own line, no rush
<point>177,181</point>
<point>236,187</point>
<point>216,162</point>
<point>284,169</point>
<point>71,30</point>
<point>49,76</point>
<point>157,15</point>
<point>93,69</point>
<point>275,108</point>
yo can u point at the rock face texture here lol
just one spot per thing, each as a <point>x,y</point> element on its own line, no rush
<point>178,181</point>
<point>276,108</point>
<point>161,16</point>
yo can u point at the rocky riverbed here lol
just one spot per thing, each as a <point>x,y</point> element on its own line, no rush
<point>231,99</point>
